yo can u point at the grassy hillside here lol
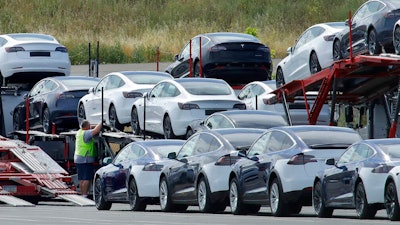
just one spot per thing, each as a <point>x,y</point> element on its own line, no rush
<point>132,30</point>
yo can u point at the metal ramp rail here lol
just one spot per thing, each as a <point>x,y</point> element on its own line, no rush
<point>27,172</point>
<point>353,81</point>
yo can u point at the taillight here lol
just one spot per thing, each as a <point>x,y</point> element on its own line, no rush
<point>152,167</point>
<point>329,37</point>
<point>15,49</point>
<point>382,169</point>
<point>227,160</point>
<point>239,106</point>
<point>263,49</point>
<point>217,48</point>
<point>301,159</point>
<point>62,49</point>
<point>188,106</point>
<point>133,94</point>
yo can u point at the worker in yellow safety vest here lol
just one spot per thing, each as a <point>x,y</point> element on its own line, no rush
<point>85,155</point>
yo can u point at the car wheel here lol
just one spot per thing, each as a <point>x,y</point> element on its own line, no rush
<point>18,121</point>
<point>196,69</point>
<point>189,133</point>
<point>337,53</point>
<point>235,200</point>
<point>363,210</point>
<point>81,113</point>
<point>204,196</point>
<point>373,45</point>
<point>318,202</point>
<point>278,208</point>
<point>46,122</point>
<point>99,200</point>
<point>135,122</point>
<point>135,202</point>
<point>280,79</point>
<point>396,40</point>
<point>392,202</point>
<point>168,132</point>
<point>314,63</point>
<point>112,116</point>
<point>165,197</point>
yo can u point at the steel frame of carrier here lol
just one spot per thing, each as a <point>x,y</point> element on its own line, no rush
<point>354,81</point>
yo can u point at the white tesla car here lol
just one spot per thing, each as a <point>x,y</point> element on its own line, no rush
<point>256,96</point>
<point>173,104</point>
<point>311,53</point>
<point>120,90</point>
<point>29,55</point>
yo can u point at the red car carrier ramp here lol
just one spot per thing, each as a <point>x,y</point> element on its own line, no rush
<point>351,81</point>
<point>28,173</point>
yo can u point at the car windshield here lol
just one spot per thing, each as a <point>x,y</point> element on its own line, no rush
<point>30,37</point>
<point>79,83</point>
<point>163,150</point>
<point>206,88</point>
<point>146,78</point>
<point>328,138</point>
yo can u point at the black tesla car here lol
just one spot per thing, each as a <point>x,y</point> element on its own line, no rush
<point>234,57</point>
<point>53,102</point>
<point>372,29</point>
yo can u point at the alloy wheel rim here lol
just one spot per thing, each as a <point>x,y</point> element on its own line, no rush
<point>389,200</point>
<point>396,40</point>
<point>317,199</point>
<point>372,43</point>
<point>202,195</point>
<point>46,121</point>
<point>233,196</point>
<point>163,194</point>
<point>274,197</point>
<point>360,204</point>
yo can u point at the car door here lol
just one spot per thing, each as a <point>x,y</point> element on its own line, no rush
<point>340,181</point>
<point>294,66</point>
<point>117,173</point>
<point>37,101</point>
<point>155,108</point>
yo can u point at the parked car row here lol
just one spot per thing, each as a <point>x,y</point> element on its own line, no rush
<point>283,167</point>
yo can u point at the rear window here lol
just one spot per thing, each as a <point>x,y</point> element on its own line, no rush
<point>206,88</point>
<point>321,139</point>
<point>146,78</point>
<point>242,139</point>
<point>29,37</point>
<point>80,83</point>
<point>392,150</point>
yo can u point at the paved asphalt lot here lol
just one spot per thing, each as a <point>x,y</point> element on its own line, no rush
<point>60,213</point>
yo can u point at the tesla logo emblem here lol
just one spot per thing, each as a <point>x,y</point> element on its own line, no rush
<point>242,45</point>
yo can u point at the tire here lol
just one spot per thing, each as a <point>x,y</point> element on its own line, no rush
<point>295,208</point>
<point>98,194</point>
<point>392,202</point>
<point>280,79</point>
<point>253,209</point>
<point>18,121</point>
<point>337,53</point>
<point>135,202</point>
<point>165,198</point>
<point>363,209</point>
<point>135,122</point>
<point>315,67</point>
<point>396,40</point>
<point>81,113</point>
<point>235,199</point>
<point>113,118</point>
<point>278,208</point>
<point>46,121</point>
<point>204,196</point>
<point>168,132</point>
<point>196,69</point>
<point>189,133</point>
<point>373,46</point>
<point>319,203</point>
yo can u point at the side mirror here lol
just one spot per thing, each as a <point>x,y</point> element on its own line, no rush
<point>346,22</point>
<point>176,57</point>
<point>91,90</point>
<point>106,161</point>
<point>330,162</point>
<point>289,50</point>
<point>172,155</point>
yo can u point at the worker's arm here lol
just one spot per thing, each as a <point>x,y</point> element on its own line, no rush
<point>97,129</point>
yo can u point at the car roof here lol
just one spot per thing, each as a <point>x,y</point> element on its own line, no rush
<point>159,142</point>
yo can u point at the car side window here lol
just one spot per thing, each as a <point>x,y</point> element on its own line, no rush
<point>303,39</point>
<point>257,90</point>
<point>187,149</point>
<point>169,90</point>
<point>206,143</point>
<point>37,89</point>
<point>361,152</point>
<point>134,153</point>
<point>113,82</point>
<point>101,85</point>
<point>50,86</point>
<point>225,123</point>
<point>2,41</point>
<point>185,52</point>
<point>156,91</point>
<point>346,156</point>
<point>245,93</point>
<point>260,145</point>
<point>276,141</point>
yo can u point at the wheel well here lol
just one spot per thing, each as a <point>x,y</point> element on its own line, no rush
<point>271,178</point>
<point>390,179</point>
<point>315,181</point>
<point>201,175</point>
